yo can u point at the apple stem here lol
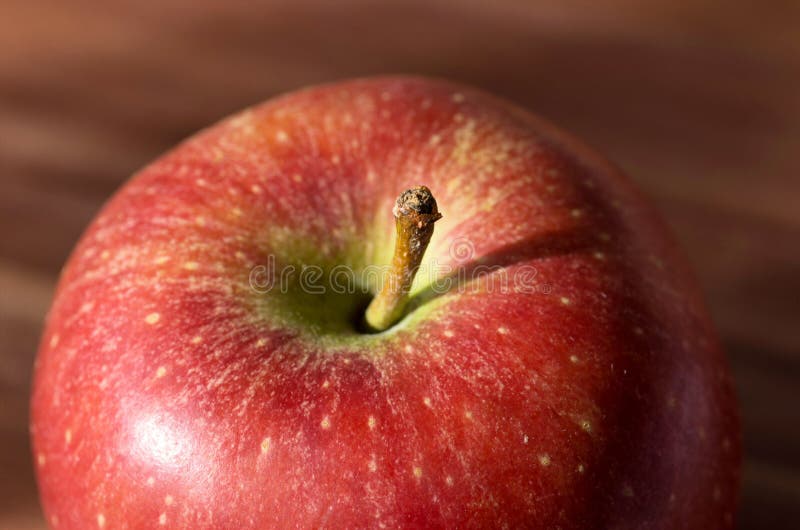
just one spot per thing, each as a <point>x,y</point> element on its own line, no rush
<point>415,211</point>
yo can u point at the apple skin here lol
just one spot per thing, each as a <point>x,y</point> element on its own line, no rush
<point>169,392</point>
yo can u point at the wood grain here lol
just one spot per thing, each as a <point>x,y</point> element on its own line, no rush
<point>698,101</point>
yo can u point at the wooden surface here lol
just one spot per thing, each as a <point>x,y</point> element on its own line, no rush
<point>699,102</point>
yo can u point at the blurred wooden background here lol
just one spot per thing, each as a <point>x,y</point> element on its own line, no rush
<point>698,101</point>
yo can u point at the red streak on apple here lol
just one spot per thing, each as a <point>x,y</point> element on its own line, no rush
<point>170,392</point>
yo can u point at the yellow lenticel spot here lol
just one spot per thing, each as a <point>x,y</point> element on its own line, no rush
<point>101,520</point>
<point>161,372</point>
<point>565,300</point>
<point>281,136</point>
<point>68,436</point>
<point>325,423</point>
<point>449,480</point>
<point>197,339</point>
<point>191,265</point>
<point>162,519</point>
<point>168,500</point>
<point>265,443</point>
<point>41,459</point>
<point>427,401</point>
<point>371,422</point>
<point>544,460</point>
<point>448,333</point>
<point>152,318</point>
<point>502,330</point>
<point>417,471</point>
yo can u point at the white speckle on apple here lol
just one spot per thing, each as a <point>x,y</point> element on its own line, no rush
<point>525,438</point>
<point>255,188</point>
<point>41,459</point>
<point>599,256</point>
<point>326,384</point>
<point>417,471</point>
<point>101,520</point>
<point>468,414</point>
<point>448,333</point>
<point>265,443</point>
<point>372,464</point>
<point>458,97</point>
<point>162,519</point>
<point>200,182</point>
<point>427,401</point>
<point>408,348</point>
<point>260,343</point>
<point>335,160</point>
<point>502,330</point>
<point>168,500</point>
<point>54,521</point>
<point>151,481</point>
<point>434,140</point>
<point>574,359</point>
<point>586,425</point>
<point>565,300</point>
<point>325,423</point>
<point>197,339</point>
<point>54,340</point>
<point>191,265</point>
<point>161,372</point>
<point>105,255</point>
<point>581,469</point>
<point>237,212</point>
<point>282,137</point>
<point>577,212</point>
<point>199,221</point>
<point>544,460</point>
<point>152,318</point>
<point>627,491</point>
<point>68,436</point>
<point>161,260</point>
<point>449,480</point>
<point>426,103</point>
<point>371,422</point>
<point>297,177</point>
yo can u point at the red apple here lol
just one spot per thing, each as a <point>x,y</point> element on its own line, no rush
<point>193,374</point>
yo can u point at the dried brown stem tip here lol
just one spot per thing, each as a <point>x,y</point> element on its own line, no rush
<point>415,211</point>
